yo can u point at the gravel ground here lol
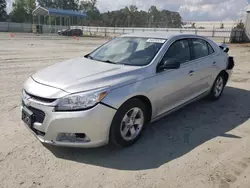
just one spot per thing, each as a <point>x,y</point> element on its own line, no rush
<point>206,144</point>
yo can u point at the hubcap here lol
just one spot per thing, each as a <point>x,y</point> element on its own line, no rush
<point>219,84</point>
<point>132,124</point>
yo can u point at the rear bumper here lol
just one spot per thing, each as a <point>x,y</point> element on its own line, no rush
<point>94,123</point>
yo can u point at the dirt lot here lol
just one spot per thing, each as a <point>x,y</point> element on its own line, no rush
<point>203,145</point>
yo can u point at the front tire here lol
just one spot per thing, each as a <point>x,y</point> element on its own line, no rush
<point>218,87</point>
<point>128,123</point>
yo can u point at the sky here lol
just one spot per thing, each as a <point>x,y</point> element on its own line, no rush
<point>190,10</point>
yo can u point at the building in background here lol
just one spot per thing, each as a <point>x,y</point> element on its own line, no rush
<point>210,24</point>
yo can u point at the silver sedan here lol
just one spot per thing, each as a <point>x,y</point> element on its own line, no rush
<point>109,95</point>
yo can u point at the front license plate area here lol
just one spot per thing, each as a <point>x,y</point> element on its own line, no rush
<point>27,117</point>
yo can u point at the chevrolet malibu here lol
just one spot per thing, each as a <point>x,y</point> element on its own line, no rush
<point>111,94</point>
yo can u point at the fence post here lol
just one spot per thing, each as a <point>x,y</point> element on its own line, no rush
<point>114,30</point>
<point>196,31</point>
<point>242,35</point>
<point>123,30</point>
<point>213,32</point>
<point>105,32</point>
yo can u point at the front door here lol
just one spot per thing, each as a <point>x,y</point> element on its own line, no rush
<point>174,87</point>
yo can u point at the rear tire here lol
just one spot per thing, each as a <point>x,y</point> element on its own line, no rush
<point>128,123</point>
<point>218,87</point>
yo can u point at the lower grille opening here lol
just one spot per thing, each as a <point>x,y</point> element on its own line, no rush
<point>73,137</point>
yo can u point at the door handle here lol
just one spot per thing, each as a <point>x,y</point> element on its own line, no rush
<point>191,73</point>
<point>214,63</point>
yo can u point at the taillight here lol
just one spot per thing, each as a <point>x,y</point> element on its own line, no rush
<point>230,63</point>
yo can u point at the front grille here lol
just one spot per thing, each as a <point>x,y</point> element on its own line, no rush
<point>40,99</point>
<point>38,115</point>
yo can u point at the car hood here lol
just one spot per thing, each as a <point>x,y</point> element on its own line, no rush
<point>82,74</point>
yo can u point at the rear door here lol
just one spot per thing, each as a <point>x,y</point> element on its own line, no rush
<point>205,57</point>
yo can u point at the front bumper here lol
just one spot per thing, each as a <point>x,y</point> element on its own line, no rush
<point>94,123</point>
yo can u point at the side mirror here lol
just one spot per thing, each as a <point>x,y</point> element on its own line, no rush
<point>224,47</point>
<point>169,64</point>
<point>226,50</point>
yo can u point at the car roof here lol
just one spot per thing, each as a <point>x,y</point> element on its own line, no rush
<point>157,34</point>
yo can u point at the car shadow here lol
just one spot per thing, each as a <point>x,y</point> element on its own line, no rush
<point>171,137</point>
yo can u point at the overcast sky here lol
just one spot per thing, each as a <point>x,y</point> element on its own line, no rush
<point>189,9</point>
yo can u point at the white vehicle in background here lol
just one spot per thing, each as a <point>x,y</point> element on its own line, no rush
<point>109,95</point>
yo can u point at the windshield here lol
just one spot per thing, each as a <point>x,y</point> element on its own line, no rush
<point>128,50</point>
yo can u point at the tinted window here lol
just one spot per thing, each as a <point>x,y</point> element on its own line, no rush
<point>210,49</point>
<point>200,48</point>
<point>179,51</point>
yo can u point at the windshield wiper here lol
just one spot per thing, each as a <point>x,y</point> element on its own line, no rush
<point>105,61</point>
<point>89,56</point>
<point>108,61</point>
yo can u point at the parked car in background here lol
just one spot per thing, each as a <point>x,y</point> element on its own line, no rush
<point>110,95</point>
<point>71,32</point>
<point>60,32</point>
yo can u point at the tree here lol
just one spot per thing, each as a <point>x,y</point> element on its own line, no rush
<point>154,17</point>
<point>46,3</point>
<point>129,16</point>
<point>19,13</point>
<point>90,8</point>
<point>176,20</point>
<point>30,6</point>
<point>240,25</point>
<point>88,5</point>
<point>3,14</point>
<point>22,10</point>
<point>60,4</point>
<point>66,4</point>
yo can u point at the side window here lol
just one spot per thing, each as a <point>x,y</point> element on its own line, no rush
<point>179,50</point>
<point>210,49</point>
<point>200,48</point>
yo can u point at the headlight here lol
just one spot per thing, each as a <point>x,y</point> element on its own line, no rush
<point>80,101</point>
